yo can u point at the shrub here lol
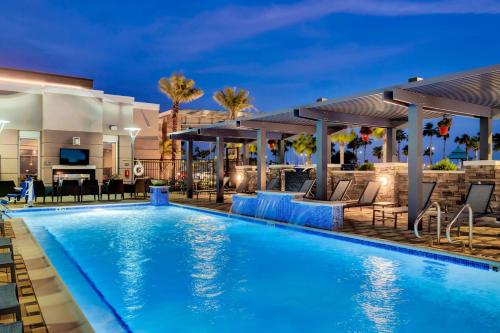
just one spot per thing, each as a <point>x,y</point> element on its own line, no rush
<point>445,165</point>
<point>158,182</point>
<point>366,167</point>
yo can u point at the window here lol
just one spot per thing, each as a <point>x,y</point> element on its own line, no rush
<point>29,154</point>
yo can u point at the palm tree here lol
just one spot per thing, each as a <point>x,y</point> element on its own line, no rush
<point>365,145</point>
<point>428,152</point>
<point>343,138</point>
<point>474,146</point>
<point>400,137</point>
<point>354,145</point>
<point>380,133</point>
<point>444,137</point>
<point>305,144</point>
<point>464,139</point>
<point>430,131</point>
<point>179,90</point>
<point>378,152</point>
<point>234,100</point>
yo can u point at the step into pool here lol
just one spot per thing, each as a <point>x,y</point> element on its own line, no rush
<point>173,269</point>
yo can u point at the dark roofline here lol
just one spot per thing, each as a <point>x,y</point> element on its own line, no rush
<point>22,74</point>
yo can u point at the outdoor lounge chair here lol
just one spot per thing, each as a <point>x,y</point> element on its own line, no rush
<point>395,212</point>
<point>69,187</point>
<point>114,186</point>
<point>340,190</point>
<point>6,244</point>
<point>273,184</point>
<point>6,187</point>
<point>89,187</point>
<point>307,187</point>
<point>15,327</point>
<point>6,261</point>
<point>367,197</point>
<point>9,303</point>
<point>213,191</point>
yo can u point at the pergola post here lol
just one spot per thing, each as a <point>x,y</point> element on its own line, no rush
<point>323,146</point>
<point>244,152</point>
<point>485,138</point>
<point>328,149</point>
<point>219,169</point>
<point>261,158</point>
<point>281,151</point>
<point>189,169</point>
<point>415,162</point>
<point>390,145</point>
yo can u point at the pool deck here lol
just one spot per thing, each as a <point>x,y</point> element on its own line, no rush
<point>486,241</point>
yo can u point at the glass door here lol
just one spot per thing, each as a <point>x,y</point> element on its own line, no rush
<point>29,154</point>
<point>109,156</point>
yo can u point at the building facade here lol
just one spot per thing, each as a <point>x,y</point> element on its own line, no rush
<point>47,112</point>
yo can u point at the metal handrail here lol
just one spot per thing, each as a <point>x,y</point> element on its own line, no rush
<point>421,216</point>
<point>455,219</point>
<point>4,209</point>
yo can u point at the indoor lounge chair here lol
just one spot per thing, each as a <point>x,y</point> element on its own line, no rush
<point>19,195</point>
<point>6,187</point>
<point>40,191</point>
<point>395,212</point>
<point>340,190</point>
<point>139,186</point>
<point>6,261</point>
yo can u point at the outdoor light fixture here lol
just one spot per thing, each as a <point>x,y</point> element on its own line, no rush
<point>133,132</point>
<point>238,177</point>
<point>2,124</point>
<point>384,181</point>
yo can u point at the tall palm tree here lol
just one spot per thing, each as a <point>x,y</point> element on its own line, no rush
<point>474,146</point>
<point>428,152</point>
<point>354,145</point>
<point>400,137</point>
<point>405,151</point>
<point>365,145</point>
<point>430,131</point>
<point>343,138</point>
<point>378,152</point>
<point>234,100</point>
<point>444,137</point>
<point>179,90</point>
<point>464,139</point>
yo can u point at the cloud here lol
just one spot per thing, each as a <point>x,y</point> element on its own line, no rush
<point>210,29</point>
<point>309,62</point>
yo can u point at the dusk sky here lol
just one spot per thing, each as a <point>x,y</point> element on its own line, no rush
<point>286,53</point>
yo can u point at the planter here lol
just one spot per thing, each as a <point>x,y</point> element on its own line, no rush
<point>443,130</point>
<point>365,137</point>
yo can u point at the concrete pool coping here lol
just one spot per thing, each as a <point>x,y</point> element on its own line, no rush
<point>63,314</point>
<point>59,309</point>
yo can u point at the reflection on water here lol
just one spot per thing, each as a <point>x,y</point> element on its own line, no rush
<point>207,242</point>
<point>131,243</point>
<point>380,294</point>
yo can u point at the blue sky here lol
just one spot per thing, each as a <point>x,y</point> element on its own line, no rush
<point>286,53</point>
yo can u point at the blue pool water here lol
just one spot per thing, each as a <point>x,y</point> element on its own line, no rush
<point>171,269</point>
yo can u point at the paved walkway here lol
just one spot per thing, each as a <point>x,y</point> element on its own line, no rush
<point>486,240</point>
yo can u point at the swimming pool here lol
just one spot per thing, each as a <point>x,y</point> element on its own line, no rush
<point>172,269</point>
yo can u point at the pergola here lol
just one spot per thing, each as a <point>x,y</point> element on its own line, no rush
<point>474,93</point>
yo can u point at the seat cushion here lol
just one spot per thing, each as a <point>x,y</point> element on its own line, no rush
<point>16,327</point>
<point>8,296</point>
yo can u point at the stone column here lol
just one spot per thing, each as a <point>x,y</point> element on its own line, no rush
<point>189,169</point>
<point>261,159</point>
<point>485,138</point>
<point>219,169</point>
<point>323,146</point>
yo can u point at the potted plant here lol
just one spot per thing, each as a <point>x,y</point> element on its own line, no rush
<point>444,126</point>
<point>365,133</point>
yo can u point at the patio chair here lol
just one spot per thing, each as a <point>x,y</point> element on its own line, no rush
<point>69,187</point>
<point>114,186</point>
<point>340,190</point>
<point>6,187</point>
<point>9,303</point>
<point>6,244</point>
<point>19,195</point>
<point>40,190</point>
<point>6,261</point>
<point>273,184</point>
<point>213,191</point>
<point>139,186</point>
<point>15,327</point>
<point>307,187</point>
<point>89,187</point>
<point>367,197</point>
<point>395,212</point>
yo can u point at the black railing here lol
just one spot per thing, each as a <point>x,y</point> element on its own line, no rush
<point>174,172</point>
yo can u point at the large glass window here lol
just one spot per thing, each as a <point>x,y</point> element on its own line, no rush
<point>29,154</point>
<point>109,156</point>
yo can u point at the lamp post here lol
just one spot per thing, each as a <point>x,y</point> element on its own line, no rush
<point>133,132</point>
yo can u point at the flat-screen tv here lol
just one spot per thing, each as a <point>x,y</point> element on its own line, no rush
<point>69,156</point>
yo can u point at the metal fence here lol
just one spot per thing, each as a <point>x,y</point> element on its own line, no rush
<point>174,171</point>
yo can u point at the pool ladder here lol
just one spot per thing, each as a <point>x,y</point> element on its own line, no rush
<point>464,208</point>
<point>4,209</point>
<point>438,221</point>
